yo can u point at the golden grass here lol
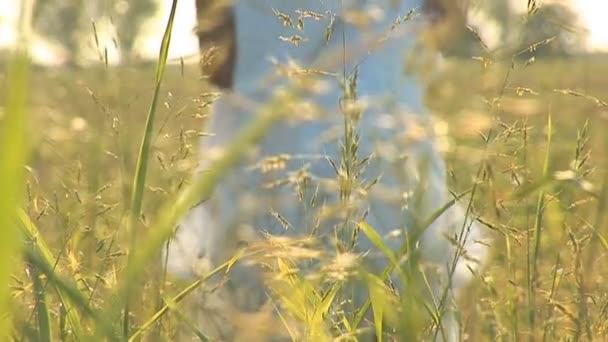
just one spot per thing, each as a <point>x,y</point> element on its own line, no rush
<point>544,204</point>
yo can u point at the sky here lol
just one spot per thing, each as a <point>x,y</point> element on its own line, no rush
<point>593,15</point>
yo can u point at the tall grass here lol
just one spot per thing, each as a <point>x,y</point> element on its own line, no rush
<point>536,244</point>
<point>139,179</point>
<point>552,288</point>
<point>13,156</point>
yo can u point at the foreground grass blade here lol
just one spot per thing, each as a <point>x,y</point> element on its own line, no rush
<point>185,320</point>
<point>377,240</point>
<point>144,149</point>
<point>39,246</point>
<point>143,157</point>
<point>378,302</point>
<point>178,298</point>
<point>403,250</point>
<point>102,325</point>
<point>42,311</point>
<point>13,154</point>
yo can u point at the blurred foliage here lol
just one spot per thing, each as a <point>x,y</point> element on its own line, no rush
<point>68,21</point>
<point>518,32</point>
<point>554,20</point>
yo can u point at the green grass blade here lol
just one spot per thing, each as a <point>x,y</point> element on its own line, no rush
<point>144,149</point>
<point>377,299</point>
<point>415,236</point>
<point>13,154</point>
<point>318,329</point>
<point>102,324</point>
<point>186,320</point>
<point>178,298</point>
<point>377,240</point>
<point>537,234</point>
<point>42,310</point>
<point>143,157</point>
<point>31,234</point>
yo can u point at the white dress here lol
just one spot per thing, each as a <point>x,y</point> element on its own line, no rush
<point>395,128</point>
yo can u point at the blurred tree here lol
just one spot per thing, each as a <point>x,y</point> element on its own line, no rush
<point>470,41</point>
<point>519,31</point>
<point>130,15</point>
<point>59,20</point>
<point>70,22</point>
<point>552,21</point>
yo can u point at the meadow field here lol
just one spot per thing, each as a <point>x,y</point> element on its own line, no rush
<point>527,138</point>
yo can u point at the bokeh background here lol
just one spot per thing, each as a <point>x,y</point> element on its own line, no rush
<point>520,71</point>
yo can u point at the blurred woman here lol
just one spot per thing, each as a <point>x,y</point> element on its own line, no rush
<point>357,145</point>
